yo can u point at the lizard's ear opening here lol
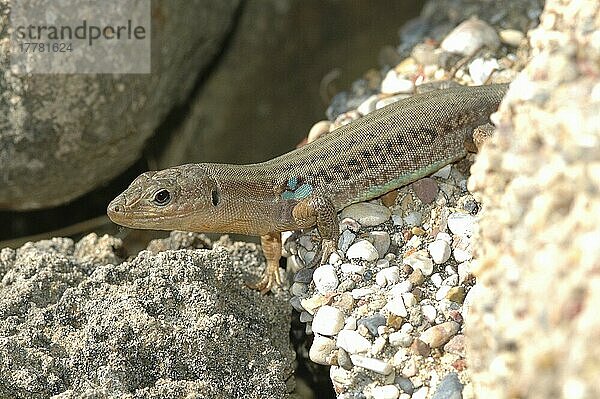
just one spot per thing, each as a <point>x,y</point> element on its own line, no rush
<point>216,196</point>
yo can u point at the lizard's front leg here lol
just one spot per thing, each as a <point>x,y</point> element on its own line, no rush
<point>271,246</point>
<point>319,210</point>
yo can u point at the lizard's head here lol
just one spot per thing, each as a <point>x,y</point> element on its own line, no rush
<point>179,198</point>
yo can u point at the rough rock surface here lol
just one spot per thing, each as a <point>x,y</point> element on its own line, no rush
<point>79,131</point>
<point>76,322</point>
<point>534,330</point>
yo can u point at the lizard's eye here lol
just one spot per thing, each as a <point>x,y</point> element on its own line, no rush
<point>162,197</point>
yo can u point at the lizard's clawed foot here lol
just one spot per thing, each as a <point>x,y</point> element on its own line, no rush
<point>271,277</point>
<point>324,251</point>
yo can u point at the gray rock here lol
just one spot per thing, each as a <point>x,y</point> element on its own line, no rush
<point>449,388</point>
<point>63,135</point>
<point>372,322</point>
<point>72,313</point>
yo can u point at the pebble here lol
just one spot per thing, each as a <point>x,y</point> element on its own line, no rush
<point>296,304</point>
<point>400,338</point>
<point>320,128</point>
<point>294,264</point>
<point>328,320</point>
<point>397,220</point>
<point>304,275</point>
<point>443,173</point>
<point>442,292</point>
<point>344,302</point>
<point>421,261</point>
<point>346,238</point>
<point>426,189</point>
<point>438,335</point>
<point>409,299</point>
<point>381,241</point>
<point>334,258</point>
<point>306,242</point>
<point>416,278</point>
<point>344,359</point>
<point>419,347</point>
<point>351,268</point>
<point>415,242</point>
<point>385,392</point>
<point>429,312</point>
<point>349,224</point>
<point>397,307</point>
<point>401,288</point>
<point>379,343</point>
<point>362,249</point>
<point>313,303</point>
<point>394,83</point>
<point>456,294</point>
<point>413,218</point>
<point>512,37</point>
<point>421,393</point>
<point>358,293</point>
<point>305,316</point>
<point>390,100</point>
<point>451,280</point>
<point>464,272</point>
<point>372,323</point>
<point>462,250</point>
<point>449,388</point>
<point>470,36</point>
<point>410,368</point>
<point>375,365</point>
<point>456,345</point>
<point>368,106</point>
<point>439,251</point>
<point>388,276</point>
<point>298,289</point>
<point>461,224</point>
<point>436,279</point>
<point>325,279</point>
<point>405,384</point>
<point>480,70</point>
<point>352,342</point>
<point>322,349</point>
<point>367,213</point>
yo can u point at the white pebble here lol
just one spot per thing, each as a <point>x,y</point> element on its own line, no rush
<point>401,288</point>
<point>429,312</point>
<point>421,393</point>
<point>461,224</point>
<point>358,293</point>
<point>464,271</point>
<point>451,280</point>
<point>388,276</point>
<point>420,260</point>
<point>378,345</point>
<point>385,392</point>
<point>367,213</point>
<point>444,237</point>
<point>439,251</point>
<point>321,350</point>
<point>328,320</point>
<point>442,292</point>
<point>462,250</point>
<point>394,83</point>
<point>384,102</point>
<point>470,36</point>
<point>325,279</point>
<point>351,268</point>
<point>350,323</point>
<point>415,242</point>
<point>436,279</point>
<point>368,106</point>
<point>352,342</point>
<point>409,299</point>
<point>319,129</point>
<point>362,249</point>
<point>334,258</point>
<point>397,307</point>
<point>400,338</point>
<point>407,328</point>
<point>376,365</point>
<point>512,37</point>
<point>480,70</point>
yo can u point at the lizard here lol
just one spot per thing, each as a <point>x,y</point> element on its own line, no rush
<point>384,150</point>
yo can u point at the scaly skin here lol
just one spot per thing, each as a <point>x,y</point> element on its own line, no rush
<point>382,151</point>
